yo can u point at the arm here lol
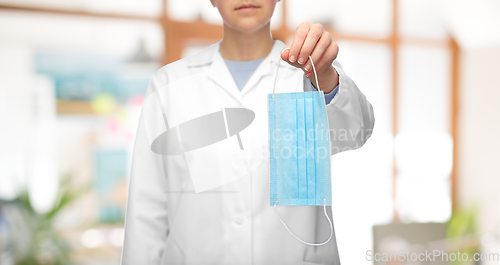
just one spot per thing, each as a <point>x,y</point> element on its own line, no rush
<point>350,115</point>
<point>328,96</point>
<point>331,95</point>
<point>146,218</point>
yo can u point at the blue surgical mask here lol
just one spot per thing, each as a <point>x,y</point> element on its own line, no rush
<point>299,150</point>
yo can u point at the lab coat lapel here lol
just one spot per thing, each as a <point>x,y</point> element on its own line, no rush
<point>267,67</point>
<point>220,74</point>
<point>262,70</point>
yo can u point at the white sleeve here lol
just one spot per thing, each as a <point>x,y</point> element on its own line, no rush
<point>146,217</point>
<point>350,115</point>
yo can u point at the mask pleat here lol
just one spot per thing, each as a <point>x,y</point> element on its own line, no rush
<point>301,148</point>
<point>311,150</point>
<point>290,150</point>
<point>273,150</point>
<point>322,153</point>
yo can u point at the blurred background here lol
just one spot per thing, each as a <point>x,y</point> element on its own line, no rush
<point>73,74</point>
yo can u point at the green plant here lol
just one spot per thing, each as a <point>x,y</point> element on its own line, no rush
<point>46,246</point>
<point>462,224</point>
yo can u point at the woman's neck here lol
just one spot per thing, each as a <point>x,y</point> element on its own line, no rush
<point>239,46</point>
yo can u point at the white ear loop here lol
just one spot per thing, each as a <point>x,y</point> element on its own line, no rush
<point>307,243</point>
<point>276,76</point>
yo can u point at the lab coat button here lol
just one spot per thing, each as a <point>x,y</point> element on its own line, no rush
<point>240,219</point>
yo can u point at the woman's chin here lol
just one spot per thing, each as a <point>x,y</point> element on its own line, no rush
<point>250,26</point>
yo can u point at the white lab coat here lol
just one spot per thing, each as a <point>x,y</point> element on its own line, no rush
<point>168,223</point>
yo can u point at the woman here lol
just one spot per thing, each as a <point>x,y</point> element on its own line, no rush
<point>168,221</point>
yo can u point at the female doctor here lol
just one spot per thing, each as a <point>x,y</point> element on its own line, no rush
<point>211,205</point>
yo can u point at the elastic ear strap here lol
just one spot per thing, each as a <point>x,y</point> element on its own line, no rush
<point>276,75</point>
<point>307,243</point>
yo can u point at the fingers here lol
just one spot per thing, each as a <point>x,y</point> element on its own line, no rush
<point>311,40</point>
<point>321,46</point>
<point>298,41</point>
<point>313,36</point>
<point>325,56</point>
<point>285,54</point>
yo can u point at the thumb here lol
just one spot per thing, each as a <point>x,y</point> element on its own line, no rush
<point>285,53</point>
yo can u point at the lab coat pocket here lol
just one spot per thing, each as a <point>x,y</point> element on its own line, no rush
<point>235,154</point>
<point>172,253</point>
<point>215,165</point>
